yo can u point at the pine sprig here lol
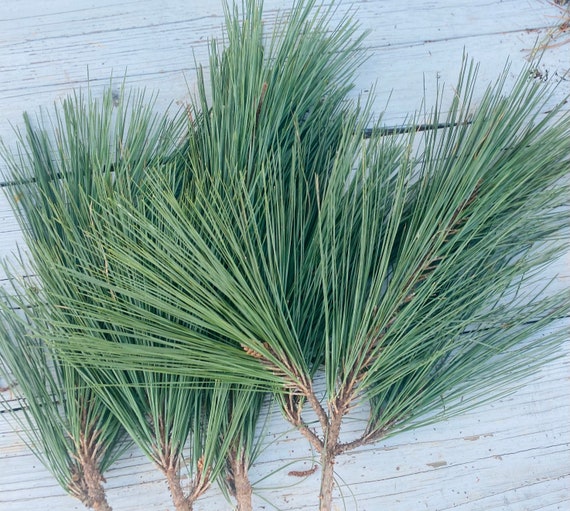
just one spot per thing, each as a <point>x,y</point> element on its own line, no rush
<point>281,246</point>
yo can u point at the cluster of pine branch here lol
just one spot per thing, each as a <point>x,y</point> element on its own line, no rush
<point>188,266</point>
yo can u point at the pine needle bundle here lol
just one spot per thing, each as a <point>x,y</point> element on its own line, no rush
<point>65,424</point>
<point>53,189</point>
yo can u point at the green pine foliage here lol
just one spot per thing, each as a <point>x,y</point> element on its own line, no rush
<point>64,422</point>
<point>276,247</point>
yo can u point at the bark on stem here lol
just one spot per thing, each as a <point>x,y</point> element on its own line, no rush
<point>97,495</point>
<point>180,501</point>
<point>328,458</point>
<point>240,482</point>
<point>327,480</point>
<point>92,479</point>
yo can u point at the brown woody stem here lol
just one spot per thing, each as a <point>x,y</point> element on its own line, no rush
<point>180,501</point>
<point>328,459</point>
<point>90,478</point>
<point>239,478</point>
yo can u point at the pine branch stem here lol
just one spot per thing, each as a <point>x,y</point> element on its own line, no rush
<point>241,485</point>
<point>93,480</point>
<point>328,458</point>
<point>180,501</point>
<point>318,409</point>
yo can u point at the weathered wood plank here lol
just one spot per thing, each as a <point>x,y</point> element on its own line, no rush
<point>47,51</point>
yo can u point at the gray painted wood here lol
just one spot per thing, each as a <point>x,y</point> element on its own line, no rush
<point>511,454</point>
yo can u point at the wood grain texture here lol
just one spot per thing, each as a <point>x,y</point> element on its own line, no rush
<point>512,454</point>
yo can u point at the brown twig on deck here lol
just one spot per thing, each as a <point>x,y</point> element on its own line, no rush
<point>561,29</point>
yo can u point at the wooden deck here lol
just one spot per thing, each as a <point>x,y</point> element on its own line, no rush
<point>512,454</point>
